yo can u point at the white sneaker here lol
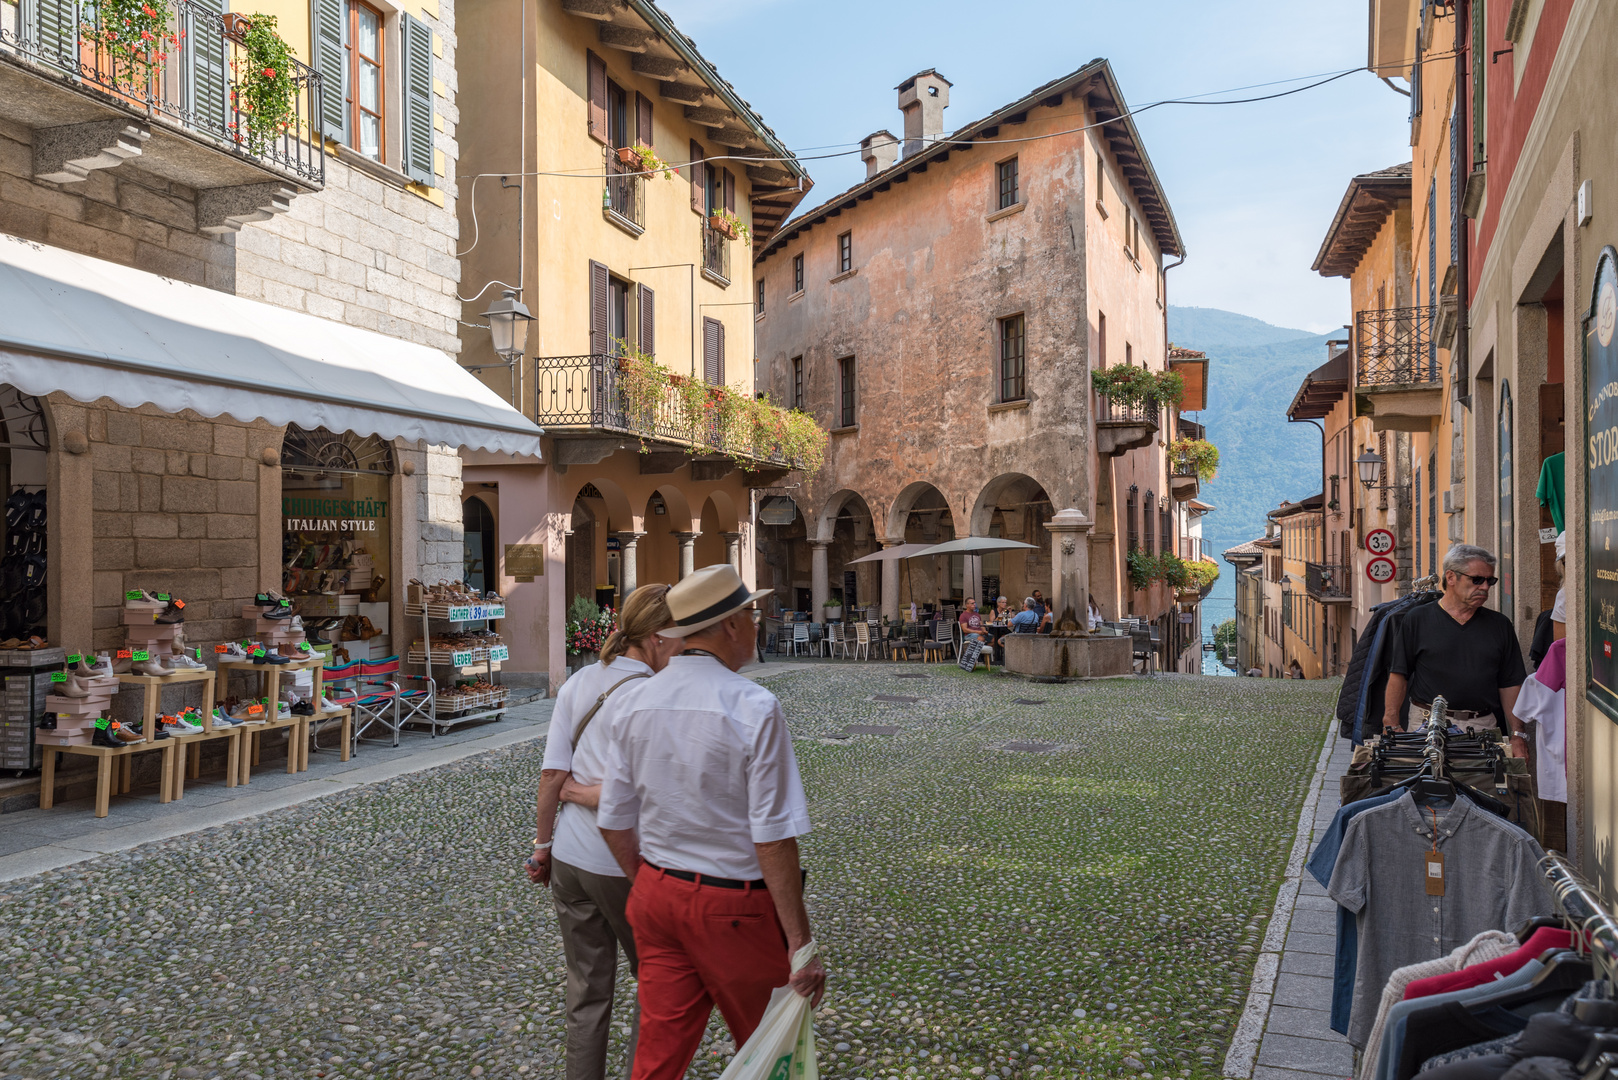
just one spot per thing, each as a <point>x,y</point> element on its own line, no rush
<point>182,662</point>
<point>223,719</point>
<point>234,653</point>
<point>297,622</point>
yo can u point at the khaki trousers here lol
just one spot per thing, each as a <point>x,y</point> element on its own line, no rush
<point>590,909</point>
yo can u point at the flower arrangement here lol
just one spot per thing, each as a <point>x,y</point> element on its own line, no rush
<point>640,154</point>
<point>1203,573</point>
<point>1143,569</point>
<point>264,87</point>
<point>589,626</point>
<point>1177,573</point>
<point>134,32</point>
<point>1131,386</point>
<point>727,224</point>
<point>1198,453</point>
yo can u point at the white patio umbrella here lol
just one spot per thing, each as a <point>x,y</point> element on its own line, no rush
<point>972,545</point>
<point>900,551</point>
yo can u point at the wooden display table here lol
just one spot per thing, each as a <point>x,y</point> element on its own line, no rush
<point>346,746</point>
<point>106,757</point>
<point>191,756</point>
<point>271,684</point>
<point>153,689</point>
<point>297,745</point>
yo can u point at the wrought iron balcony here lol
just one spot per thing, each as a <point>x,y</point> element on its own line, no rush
<point>624,199</point>
<point>1123,427</point>
<point>1328,582</point>
<point>577,395</point>
<point>1395,347</point>
<point>715,254</point>
<point>192,89</point>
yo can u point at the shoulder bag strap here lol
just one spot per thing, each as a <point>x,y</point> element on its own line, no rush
<point>578,732</point>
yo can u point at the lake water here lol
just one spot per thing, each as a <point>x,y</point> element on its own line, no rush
<point>1216,608</point>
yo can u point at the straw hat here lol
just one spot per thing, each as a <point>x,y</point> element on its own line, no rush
<point>706,596</point>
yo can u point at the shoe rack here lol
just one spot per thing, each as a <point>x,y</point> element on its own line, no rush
<point>459,662</point>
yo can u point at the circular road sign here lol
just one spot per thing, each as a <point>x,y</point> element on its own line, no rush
<point>1381,570</point>
<point>1379,541</point>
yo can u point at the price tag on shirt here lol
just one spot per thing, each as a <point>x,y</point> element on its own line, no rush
<point>1547,536</point>
<point>1434,861</point>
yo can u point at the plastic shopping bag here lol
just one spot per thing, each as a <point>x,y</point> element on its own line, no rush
<point>783,1047</point>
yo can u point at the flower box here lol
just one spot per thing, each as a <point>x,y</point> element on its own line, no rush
<point>628,155</point>
<point>722,225</point>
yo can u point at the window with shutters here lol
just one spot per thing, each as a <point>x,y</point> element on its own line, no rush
<point>845,381</point>
<point>1012,382</point>
<point>1131,518</point>
<point>758,293</point>
<point>1006,177</point>
<point>713,352</point>
<point>618,314</point>
<point>365,66</point>
<point>797,382</point>
<point>646,330</point>
<point>378,104</point>
<point>845,253</point>
<point>797,273</point>
<point>1151,531</point>
<point>1165,523</point>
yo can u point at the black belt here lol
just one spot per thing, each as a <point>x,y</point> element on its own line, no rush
<point>704,879</point>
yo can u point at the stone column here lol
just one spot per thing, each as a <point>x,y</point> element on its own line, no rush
<point>733,549</point>
<point>627,570</point>
<point>819,585</point>
<point>1070,569</point>
<point>688,553</point>
<point>891,569</point>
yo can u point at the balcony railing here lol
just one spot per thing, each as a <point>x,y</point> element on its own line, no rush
<point>1109,411</point>
<point>194,89</point>
<point>625,194</point>
<point>1395,347</point>
<point>589,393</point>
<point>1184,465</point>
<point>1328,581</point>
<point>715,254</point>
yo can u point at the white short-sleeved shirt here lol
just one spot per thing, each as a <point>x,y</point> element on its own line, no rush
<point>1559,609</point>
<point>700,763</point>
<point>578,840</point>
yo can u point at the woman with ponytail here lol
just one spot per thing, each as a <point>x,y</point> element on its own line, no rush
<point>588,888</point>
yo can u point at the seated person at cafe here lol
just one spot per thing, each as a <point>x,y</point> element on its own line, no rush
<point>1039,603</point>
<point>1025,621</point>
<point>972,623</point>
<point>1094,616</point>
<point>1002,610</point>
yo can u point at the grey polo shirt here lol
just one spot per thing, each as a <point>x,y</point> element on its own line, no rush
<point>1492,881</point>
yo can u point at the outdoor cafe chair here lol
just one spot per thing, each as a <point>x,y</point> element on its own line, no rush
<point>862,640</point>
<point>835,640</point>
<point>800,636</point>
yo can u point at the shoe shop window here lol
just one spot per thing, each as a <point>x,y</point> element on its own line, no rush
<point>23,443</point>
<point>337,536</point>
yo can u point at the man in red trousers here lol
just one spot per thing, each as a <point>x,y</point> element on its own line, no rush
<point>702,807</point>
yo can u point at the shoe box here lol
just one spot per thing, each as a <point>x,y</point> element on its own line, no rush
<point>140,632</point>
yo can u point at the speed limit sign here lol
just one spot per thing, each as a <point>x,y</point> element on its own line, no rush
<point>1379,542</point>
<point>1381,570</point>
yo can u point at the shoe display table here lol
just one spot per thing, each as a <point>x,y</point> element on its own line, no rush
<point>297,744</point>
<point>346,719</point>
<point>152,686</point>
<point>110,759</point>
<point>189,764</point>
<point>270,687</point>
<point>270,684</point>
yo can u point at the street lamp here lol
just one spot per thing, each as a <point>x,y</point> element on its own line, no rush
<point>1369,465</point>
<point>503,316</point>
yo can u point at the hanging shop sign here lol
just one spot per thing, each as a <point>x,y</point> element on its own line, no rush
<point>1379,542</point>
<point>1601,483</point>
<point>1381,570</point>
<point>777,510</point>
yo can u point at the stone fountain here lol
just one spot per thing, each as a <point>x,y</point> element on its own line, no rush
<point>1070,651</point>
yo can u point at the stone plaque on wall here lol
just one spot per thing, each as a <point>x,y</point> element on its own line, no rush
<point>525,562</point>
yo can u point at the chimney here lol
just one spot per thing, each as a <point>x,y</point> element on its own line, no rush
<point>922,98</point>
<point>878,150</point>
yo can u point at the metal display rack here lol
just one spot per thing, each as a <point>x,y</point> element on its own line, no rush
<point>461,661</point>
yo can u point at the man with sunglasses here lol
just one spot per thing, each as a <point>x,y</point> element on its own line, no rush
<point>1459,649</point>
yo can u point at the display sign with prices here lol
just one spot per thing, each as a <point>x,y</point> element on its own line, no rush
<point>258,651</point>
<point>1379,541</point>
<point>971,652</point>
<point>254,710</point>
<point>494,611</point>
<point>460,613</point>
<point>221,649</point>
<point>75,658</point>
<point>461,657</point>
<point>1600,457</point>
<point>499,652</point>
<point>141,656</point>
<point>101,723</point>
<point>1381,571</point>
<point>163,596</point>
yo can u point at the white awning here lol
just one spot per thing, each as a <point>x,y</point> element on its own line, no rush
<point>93,329</point>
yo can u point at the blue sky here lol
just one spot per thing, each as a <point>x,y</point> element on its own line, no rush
<point>1252,186</point>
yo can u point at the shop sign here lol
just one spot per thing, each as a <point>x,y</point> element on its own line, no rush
<point>525,562</point>
<point>1601,483</point>
<point>499,652</point>
<point>777,510</point>
<point>332,515</point>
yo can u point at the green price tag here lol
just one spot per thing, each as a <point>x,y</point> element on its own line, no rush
<point>58,676</point>
<point>163,596</point>
<point>141,655</point>
<point>199,653</point>
<point>258,652</point>
<point>101,723</point>
<point>132,594</point>
<point>75,658</point>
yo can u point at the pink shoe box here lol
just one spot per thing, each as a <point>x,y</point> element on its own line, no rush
<point>91,706</point>
<point>60,737</point>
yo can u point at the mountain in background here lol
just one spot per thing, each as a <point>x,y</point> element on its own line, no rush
<point>1254,370</point>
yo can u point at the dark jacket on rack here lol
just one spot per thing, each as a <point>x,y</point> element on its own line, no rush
<point>1359,702</point>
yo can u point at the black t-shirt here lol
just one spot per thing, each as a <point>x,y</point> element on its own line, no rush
<point>1467,662</point>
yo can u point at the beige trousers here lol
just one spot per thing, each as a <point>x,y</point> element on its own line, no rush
<point>590,909</point>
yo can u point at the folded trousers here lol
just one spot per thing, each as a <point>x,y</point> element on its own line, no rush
<point>590,911</point>
<point>700,946</point>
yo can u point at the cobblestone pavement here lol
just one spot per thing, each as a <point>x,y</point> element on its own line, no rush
<point>1008,879</point>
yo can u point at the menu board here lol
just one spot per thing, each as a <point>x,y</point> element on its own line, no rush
<point>1601,484</point>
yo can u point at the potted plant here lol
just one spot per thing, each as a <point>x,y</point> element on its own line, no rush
<point>834,607</point>
<point>1199,454</point>
<point>134,32</point>
<point>731,227</point>
<point>644,160</point>
<point>263,95</point>
<point>588,627</point>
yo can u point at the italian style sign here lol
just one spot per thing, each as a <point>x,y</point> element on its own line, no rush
<point>1601,483</point>
<point>1379,541</point>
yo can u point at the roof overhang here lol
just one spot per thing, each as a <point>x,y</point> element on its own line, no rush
<point>1392,37</point>
<point>1194,370</point>
<point>1096,82</point>
<point>1366,206</point>
<point>93,329</point>
<point>1321,389</point>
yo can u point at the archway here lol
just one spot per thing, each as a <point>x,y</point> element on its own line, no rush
<point>847,528</point>
<point>669,528</point>
<point>1014,506</point>
<point>593,568</point>
<point>718,524</point>
<point>921,515</point>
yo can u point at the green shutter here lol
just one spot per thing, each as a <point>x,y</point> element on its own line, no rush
<point>204,60</point>
<point>331,61</point>
<point>55,30</point>
<point>417,98</point>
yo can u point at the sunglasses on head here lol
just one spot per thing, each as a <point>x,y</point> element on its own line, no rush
<point>1476,580</point>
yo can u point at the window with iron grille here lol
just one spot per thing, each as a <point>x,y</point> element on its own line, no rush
<point>797,382</point>
<point>1006,175</point>
<point>1012,383</point>
<point>1130,522</point>
<point>1165,523</point>
<point>845,253</point>
<point>845,375</point>
<point>758,289</point>
<point>797,273</point>
<point>1150,528</point>
<point>1382,452</point>
<point>1416,516</point>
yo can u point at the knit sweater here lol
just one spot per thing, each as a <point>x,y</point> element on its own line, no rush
<point>1489,945</point>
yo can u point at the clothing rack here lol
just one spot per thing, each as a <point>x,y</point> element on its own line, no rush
<point>1584,908</point>
<point>1437,735</point>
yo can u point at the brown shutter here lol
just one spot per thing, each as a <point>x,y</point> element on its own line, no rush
<point>643,119</point>
<point>730,191</point>
<point>713,352</point>
<point>698,170</point>
<point>648,333</point>
<point>600,285</point>
<point>598,98</point>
